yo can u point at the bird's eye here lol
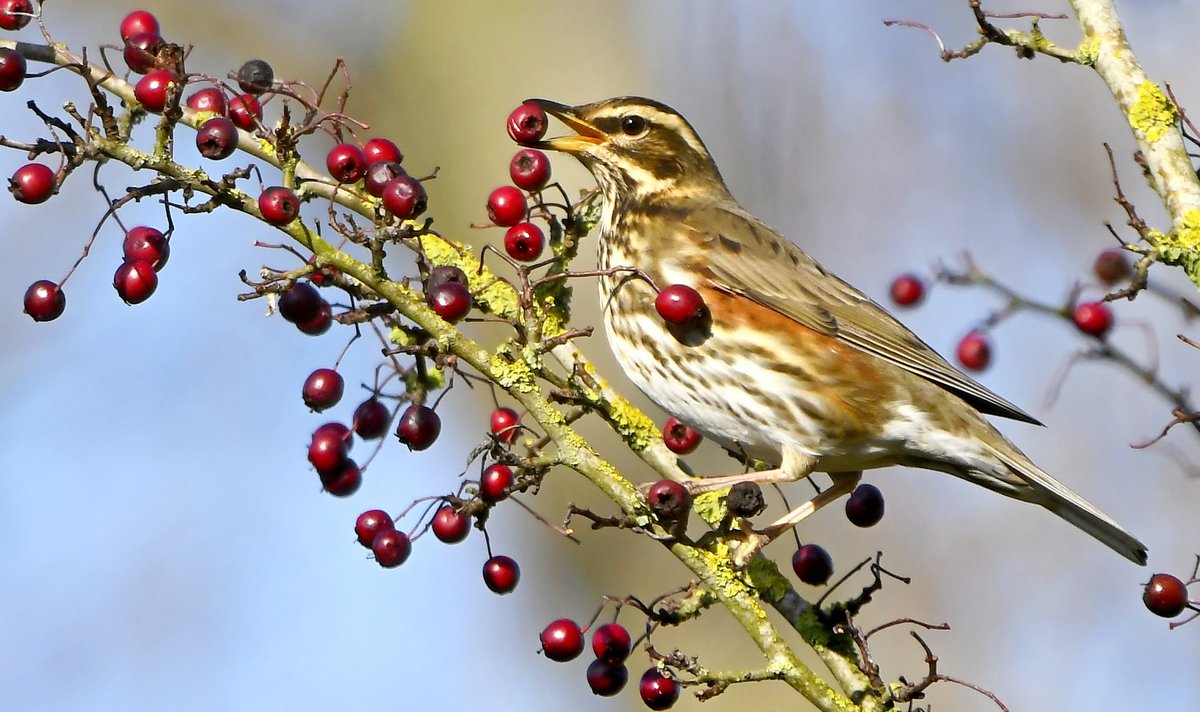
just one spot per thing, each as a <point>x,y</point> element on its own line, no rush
<point>632,125</point>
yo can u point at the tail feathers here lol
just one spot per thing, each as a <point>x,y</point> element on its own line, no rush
<point>1056,497</point>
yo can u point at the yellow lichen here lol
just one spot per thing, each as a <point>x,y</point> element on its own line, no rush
<point>1152,114</point>
<point>514,376</point>
<point>711,506</point>
<point>634,426</point>
<point>1087,51</point>
<point>728,581</point>
<point>1181,246</point>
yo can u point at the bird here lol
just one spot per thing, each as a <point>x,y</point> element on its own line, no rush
<point>786,363</point>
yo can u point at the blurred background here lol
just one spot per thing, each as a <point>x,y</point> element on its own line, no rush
<point>169,546</point>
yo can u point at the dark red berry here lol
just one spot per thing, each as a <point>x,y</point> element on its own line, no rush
<point>679,304</point>
<point>135,281</point>
<point>380,174</point>
<point>44,300</point>
<point>864,507</point>
<point>381,149</point>
<point>329,448</point>
<point>1112,265</point>
<point>669,500</point>
<point>320,323</point>
<point>151,90</point>
<point>658,691</point>
<point>527,123</point>
<point>245,111</point>
<point>679,438</point>
<point>209,99</point>
<point>611,643</point>
<point>32,183</point>
<point>137,22</point>
<point>391,548</point>
<point>419,427</point>
<point>505,424</point>
<point>529,169</point>
<point>445,273</point>
<point>494,483</point>
<point>279,205</point>
<point>217,138</point>
<point>346,163</point>
<point>974,352</point>
<point>812,564</point>
<point>1165,595</point>
<point>450,300</point>
<point>404,197</point>
<point>141,52</point>
<point>371,419</point>
<point>301,302</point>
<point>501,574</point>
<point>450,525</point>
<point>15,14</point>
<point>506,206</point>
<point>562,640</point>
<point>606,679</point>
<point>255,77</point>
<point>323,389</point>
<point>146,243</point>
<point>524,242</point>
<point>370,523</point>
<point>907,290</point>
<point>1094,318</point>
<point>12,69</point>
<point>344,481</point>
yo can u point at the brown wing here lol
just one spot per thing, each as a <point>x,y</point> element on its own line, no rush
<point>743,256</point>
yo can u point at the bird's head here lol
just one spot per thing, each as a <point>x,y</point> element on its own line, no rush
<point>637,149</point>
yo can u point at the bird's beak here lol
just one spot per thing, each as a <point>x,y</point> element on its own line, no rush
<point>587,137</point>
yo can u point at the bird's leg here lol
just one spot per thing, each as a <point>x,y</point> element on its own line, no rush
<point>755,540</point>
<point>796,466</point>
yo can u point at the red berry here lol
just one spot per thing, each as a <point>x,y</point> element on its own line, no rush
<point>381,149</point>
<point>255,77</point>
<point>505,424</point>
<point>562,640</point>
<point>245,111</point>
<point>450,300</point>
<point>494,484</point>
<point>907,290</point>
<point>529,169</point>
<point>151,90</point>
<point>380,174</point>
<point>864,507</point>
<point>320,323</point>
<point>329,448</point>
<point>146,243</point>
<point>1165,595</point>
<point>501,574</point>
<point>44,300</point>
<point>419,427</point>
<point>135,281</point>
<point>611,643</point>
<point>404,197</point>
<point>527,123</point>
<point>12,69</point>
<point>32,183</point>
<point>391,548</point>
<point>679,438</point>
<point>524,242</point>
<point>344,481</point>
<point>679,304</point>
<point>209,99</point>
<point>974,352</point>
<point>1094,318</point>
<point>812,564</point>
<point>141,52</point>
<point>669,500</point>
<point>451,526</point>
<point>137,22</point>
<point>217,138</point>
<point>606,679</point>
<point>506,206</point>
<point>15,14</point>
<point>346,163</point>
<point>371,419</point>
<point>658,691</point>
<point>370,523</point>
<point>1112,265</point>
<point>323,389</point>
<point>300,303</point>
<point>279,205</point>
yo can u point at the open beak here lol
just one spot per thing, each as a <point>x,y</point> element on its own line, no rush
<point>587,137</point>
